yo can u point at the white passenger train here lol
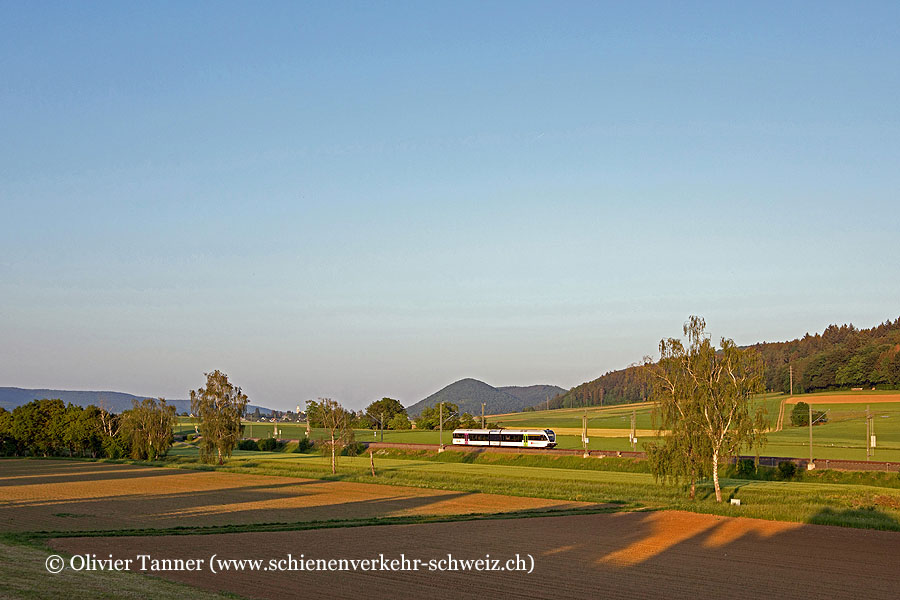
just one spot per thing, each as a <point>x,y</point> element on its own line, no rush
<point>519,438</point>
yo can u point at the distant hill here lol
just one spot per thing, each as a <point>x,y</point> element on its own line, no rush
<point>841,357</point>
<point>11,397</point>
<point>532,395</point>
<point>468,394</point>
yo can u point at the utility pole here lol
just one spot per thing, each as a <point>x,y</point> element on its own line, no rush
<point>441,448</point>
<point>868,432</point>
<point>792,380</point>
<point>872,433</point>
<point>482,415</point>
<point>584,435</point>
<point>382,429</point>
<point>633,431</point>
<point>810,465</point>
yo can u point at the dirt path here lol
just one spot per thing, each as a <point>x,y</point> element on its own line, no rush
<point>626,555</point>
<point>75,496</point>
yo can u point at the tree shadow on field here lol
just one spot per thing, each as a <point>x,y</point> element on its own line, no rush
<point>23,472</point>
<point>214,499</point>
<point>642,553</point>
<point>868,518</point>
<point>664,554</point>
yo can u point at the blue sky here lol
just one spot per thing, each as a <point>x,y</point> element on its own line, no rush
<point>362,200</point>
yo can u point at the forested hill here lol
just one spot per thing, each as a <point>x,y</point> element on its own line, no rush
<point>842,356</point>
<point>468,394</point>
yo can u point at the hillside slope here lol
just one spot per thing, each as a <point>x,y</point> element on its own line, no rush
<point>11,397</point>
<point>468,394</point>
<point>532,395</point>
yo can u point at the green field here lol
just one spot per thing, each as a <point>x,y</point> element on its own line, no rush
<point>842,437</point>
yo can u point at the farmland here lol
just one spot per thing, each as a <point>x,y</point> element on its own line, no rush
<point>585,521</point>
<point>266,505</point>
<point>72,496</point>
<point>842,437</point>
<point>586,556</point>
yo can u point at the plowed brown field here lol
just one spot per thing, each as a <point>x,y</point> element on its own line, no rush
<point>46,495</point>
<point>624,555</point>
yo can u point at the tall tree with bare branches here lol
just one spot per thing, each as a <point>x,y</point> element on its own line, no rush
<point>220,406</point>
<point>703,396</point>
<point>337,422</point>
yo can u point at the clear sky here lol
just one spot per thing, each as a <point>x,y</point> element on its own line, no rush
<point>357,200</point>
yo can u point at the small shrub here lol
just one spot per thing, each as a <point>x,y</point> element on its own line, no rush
<point>247,445</point>
<point>786,470</point>
<point>745,468</point>
<point>304,445</point>
<point>267,445</point>
<point>800,416</point>
<point>353,449</point>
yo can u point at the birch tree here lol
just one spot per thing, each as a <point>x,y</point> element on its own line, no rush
<point>704,405</point>
<point>220,406</point>
<point>148,426</point>
<point>337,423</point>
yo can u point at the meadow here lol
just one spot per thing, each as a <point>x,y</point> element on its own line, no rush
<point>842,437</point>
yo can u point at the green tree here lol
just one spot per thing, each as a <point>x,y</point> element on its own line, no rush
<point>8,445</point>
<point>147,427</point>
<point>431,416</point>
<point>38,426</point>
<point>313,413</point>
<point>467,421</point>
<point>399,422</point>
<point>382,411</point>
<point>219,406</point>
<point>703,397</point>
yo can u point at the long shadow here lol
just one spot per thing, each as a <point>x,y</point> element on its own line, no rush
<point>156,508</point>
<point>761,558</point>
<point>667,554</point>
<point>100,474</point>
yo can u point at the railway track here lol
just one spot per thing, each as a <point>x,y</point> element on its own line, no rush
<point>767,461</point>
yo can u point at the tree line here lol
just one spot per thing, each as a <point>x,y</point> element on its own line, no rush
<point>390,414</point>
<point>48,427</point>
<point>841,357</point>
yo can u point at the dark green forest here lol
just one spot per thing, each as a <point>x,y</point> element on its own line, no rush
<point>841,357</point>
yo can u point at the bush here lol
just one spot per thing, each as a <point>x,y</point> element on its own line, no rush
<point>247,445</point>
<point>353,449</point>
<point>786,470</point>
<point>745,468</point>
<point>267,445</point>
<point>304,445</point>
<point>800,416</point>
